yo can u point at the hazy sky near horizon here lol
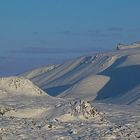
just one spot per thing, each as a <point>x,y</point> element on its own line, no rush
<point>39,32</point>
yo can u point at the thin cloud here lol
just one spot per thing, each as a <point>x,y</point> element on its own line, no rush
<point>3,58</point>
<point>103,34</point>
<point>135,30</point>
<point>46,50</point>
<point>115,29</point>
<point>66,32</point>
<point>35,33</point>
<point>94,32</point>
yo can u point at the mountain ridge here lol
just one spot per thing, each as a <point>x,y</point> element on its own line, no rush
<point>102,76</point>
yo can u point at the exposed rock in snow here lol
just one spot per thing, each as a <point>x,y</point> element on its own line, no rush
<point>79,110</point>
<point>83,109</point>
<point>4,110</point>
<point>131,46</point>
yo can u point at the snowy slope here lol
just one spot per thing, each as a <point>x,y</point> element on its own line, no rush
<point>72,72</point>
<point>103,76</point>
<point>86,88</point>
<point>132,97</point>
<point>38,71</point>
<point>12,86</point>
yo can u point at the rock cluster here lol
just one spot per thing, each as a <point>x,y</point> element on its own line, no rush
<point>83,108</point>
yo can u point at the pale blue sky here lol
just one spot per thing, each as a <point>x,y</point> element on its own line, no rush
<point>48,31</point>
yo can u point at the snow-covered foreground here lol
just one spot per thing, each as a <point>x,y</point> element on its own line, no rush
<point>37,118</point>
<point>97,97</point>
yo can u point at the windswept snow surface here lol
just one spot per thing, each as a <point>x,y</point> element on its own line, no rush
<point>55,119</point>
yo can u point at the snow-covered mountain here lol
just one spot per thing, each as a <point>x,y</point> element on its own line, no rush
<point>105,76</point>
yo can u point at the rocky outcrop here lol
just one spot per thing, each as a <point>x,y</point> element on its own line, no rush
<point>78,110</point>
<point>84,109</point>
<point>130,46</point>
